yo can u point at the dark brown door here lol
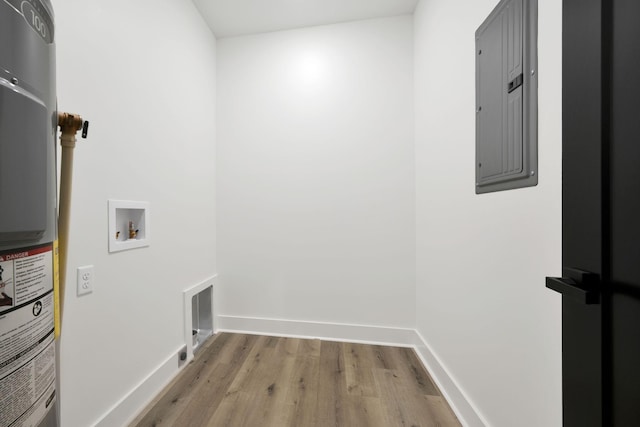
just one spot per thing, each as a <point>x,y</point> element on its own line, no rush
<point>601,213</point>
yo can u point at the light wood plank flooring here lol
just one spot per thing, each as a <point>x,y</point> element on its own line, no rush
<point>248,380</point>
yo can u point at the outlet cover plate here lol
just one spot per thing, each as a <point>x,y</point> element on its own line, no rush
<point>86,277</point>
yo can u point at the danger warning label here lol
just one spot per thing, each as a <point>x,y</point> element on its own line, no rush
<point>27,346</point>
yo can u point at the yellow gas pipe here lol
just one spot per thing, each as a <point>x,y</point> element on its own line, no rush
<point>69,124</point>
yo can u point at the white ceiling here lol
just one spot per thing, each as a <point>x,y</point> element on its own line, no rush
<point>238,17</point>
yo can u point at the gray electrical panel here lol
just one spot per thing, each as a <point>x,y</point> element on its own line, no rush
<point>507,98</point>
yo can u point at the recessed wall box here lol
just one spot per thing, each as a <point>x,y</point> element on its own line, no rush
<point>198,315</point>
<point>128,225</point>
<point>507,97</point>
<point>201,317</point>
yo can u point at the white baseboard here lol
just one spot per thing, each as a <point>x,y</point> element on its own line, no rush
<point>128,407</point>
<point>466,412</point>
<point>380,335</point>
<point>464,409</point>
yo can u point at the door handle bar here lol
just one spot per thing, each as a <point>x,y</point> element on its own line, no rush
<point>579,285</point>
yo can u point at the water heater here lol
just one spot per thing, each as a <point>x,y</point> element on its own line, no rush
<point>28,242</point>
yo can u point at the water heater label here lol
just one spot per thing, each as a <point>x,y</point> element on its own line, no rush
<point>27,346</point>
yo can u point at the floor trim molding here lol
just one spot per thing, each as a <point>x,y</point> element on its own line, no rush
<point>127,408</point>
<point>462,406</point>
<point>464,409</point>
<point>380,335</point>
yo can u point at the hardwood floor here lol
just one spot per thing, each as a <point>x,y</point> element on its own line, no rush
<point>249,380</point>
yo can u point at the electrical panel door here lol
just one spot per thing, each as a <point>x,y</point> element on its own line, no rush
<point>506,98</point>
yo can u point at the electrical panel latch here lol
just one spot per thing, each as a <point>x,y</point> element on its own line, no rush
<point>514,84</point>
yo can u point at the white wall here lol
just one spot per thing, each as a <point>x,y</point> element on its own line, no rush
<point>143,73</point>
<point>482,306</point>
<point>317,195</point>
<point>315,174</point>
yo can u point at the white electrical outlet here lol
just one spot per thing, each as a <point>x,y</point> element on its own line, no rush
<point>85,280</point>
